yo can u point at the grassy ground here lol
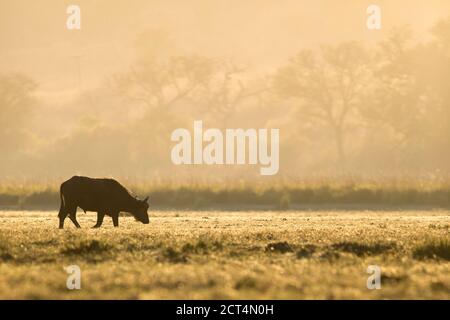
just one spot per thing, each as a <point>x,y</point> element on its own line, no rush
<point>221,255</point>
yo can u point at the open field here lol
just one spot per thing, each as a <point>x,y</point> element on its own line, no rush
<point>222,255</point>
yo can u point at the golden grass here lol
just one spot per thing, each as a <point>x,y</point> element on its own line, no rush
<point>224,255</point>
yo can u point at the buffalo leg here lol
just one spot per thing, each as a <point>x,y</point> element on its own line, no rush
<point>115,218</point>
<point>74,220</point>
<point>100,216</point>
<point>62,211</point>
<point>73,217</point>
<point>62,215</point>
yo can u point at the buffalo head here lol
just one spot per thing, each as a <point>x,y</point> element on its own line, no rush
<point>140,213</point>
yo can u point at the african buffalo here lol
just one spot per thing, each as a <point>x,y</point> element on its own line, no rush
<point>104,196</point>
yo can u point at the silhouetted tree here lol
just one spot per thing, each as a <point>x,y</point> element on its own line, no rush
<point>160,84</point>
<point>228,90</point>
<point>16,103</point>
<point>397,100</point>
<point>434,75</point>
<point>327,86</point>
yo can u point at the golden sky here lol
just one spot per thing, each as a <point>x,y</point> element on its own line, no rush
<point>263,33</point>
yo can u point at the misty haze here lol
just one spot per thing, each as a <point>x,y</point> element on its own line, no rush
<point>252,149</point>
<point>103,100</point>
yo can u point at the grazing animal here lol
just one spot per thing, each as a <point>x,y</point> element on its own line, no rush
<point>104,196</point>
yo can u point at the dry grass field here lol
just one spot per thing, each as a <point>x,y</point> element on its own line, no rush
<point>228,255</point>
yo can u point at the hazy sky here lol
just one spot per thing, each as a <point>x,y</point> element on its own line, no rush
<point>265,33</point>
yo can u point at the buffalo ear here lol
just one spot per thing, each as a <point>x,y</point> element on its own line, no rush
<point>145,200</point>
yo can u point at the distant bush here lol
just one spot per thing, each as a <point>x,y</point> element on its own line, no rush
<point>433,249</point>
<point>306,251</point>
<point>281,247</point>
<point>5,249</point>
<point>173,256</point>
<point>85,247</point>
<point>42,198</point>
<point>277,195</point>
<point>9,199</point>
<point>202,247</point>
<point>362,249</point>
<point>285,202</point>
<point>246,282</point>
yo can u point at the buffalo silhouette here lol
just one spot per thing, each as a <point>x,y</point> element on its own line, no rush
<point>104,196</point>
